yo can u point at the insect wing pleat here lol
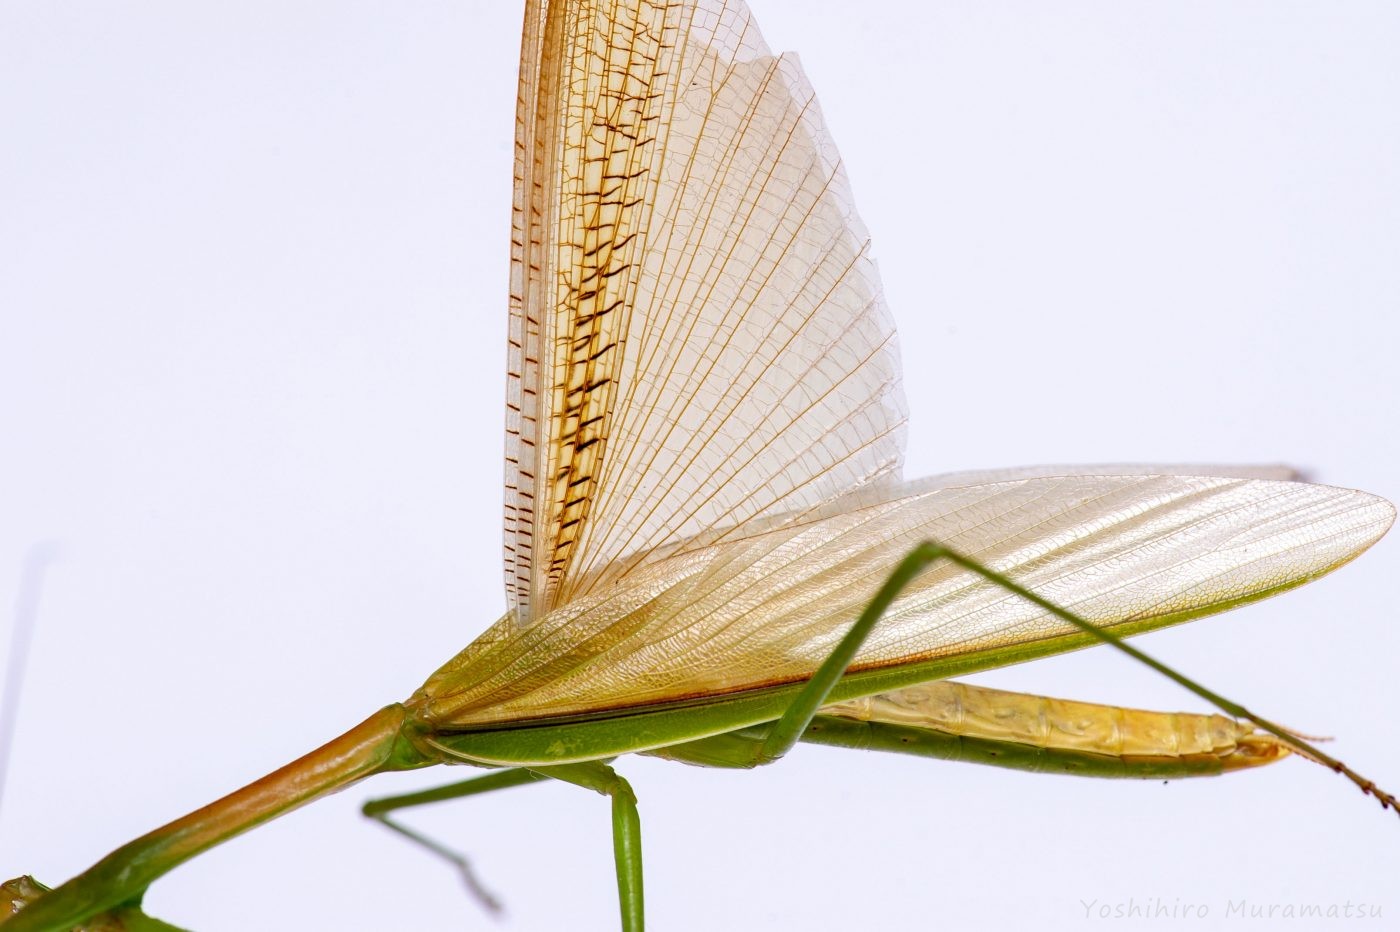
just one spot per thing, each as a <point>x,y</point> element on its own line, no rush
<point>697,338</point>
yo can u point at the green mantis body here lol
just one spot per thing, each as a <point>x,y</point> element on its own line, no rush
<point>677,854</point>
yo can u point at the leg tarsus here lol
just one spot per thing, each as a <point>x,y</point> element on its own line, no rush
<point>379,809</point>
<point>489,901</point>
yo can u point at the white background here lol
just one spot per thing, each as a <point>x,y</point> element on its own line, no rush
<point>253,264</point>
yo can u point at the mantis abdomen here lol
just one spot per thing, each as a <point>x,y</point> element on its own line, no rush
<point>1130,735</point>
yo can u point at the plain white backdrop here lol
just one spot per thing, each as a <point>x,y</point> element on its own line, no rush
<point>253,265</point>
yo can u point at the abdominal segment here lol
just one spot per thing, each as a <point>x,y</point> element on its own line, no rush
<point>989,718</point>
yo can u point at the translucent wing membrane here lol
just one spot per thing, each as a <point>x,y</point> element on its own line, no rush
<point>767,609</point>
<point>697,336</point>
<point>704,422</point>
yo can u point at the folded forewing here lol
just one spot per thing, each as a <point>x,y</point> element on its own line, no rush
<point>697,336</point>
<point>767,609</point>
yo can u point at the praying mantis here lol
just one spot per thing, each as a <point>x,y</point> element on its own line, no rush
<point>255,555</point>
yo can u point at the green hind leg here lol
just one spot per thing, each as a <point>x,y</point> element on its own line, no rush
<point>765,744</point>
<point>746,748</point>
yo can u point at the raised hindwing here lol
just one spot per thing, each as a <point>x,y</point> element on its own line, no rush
<point>697,335</point>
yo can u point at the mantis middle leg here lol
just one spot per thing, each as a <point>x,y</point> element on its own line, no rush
<point>593,775</point>
<point>379,809</point>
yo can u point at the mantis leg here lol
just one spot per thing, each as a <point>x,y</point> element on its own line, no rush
<point>379,809</point>
<point>787,731</point>
<point>627,831</point>
<point>738,749</point>
<point>594,775</point>
<point>25,890</point>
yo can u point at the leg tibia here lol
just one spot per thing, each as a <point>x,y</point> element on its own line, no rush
<point>627,831</point>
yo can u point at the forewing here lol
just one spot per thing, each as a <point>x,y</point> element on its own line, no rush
<point>1136,551</point>
<point>697,335</point>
